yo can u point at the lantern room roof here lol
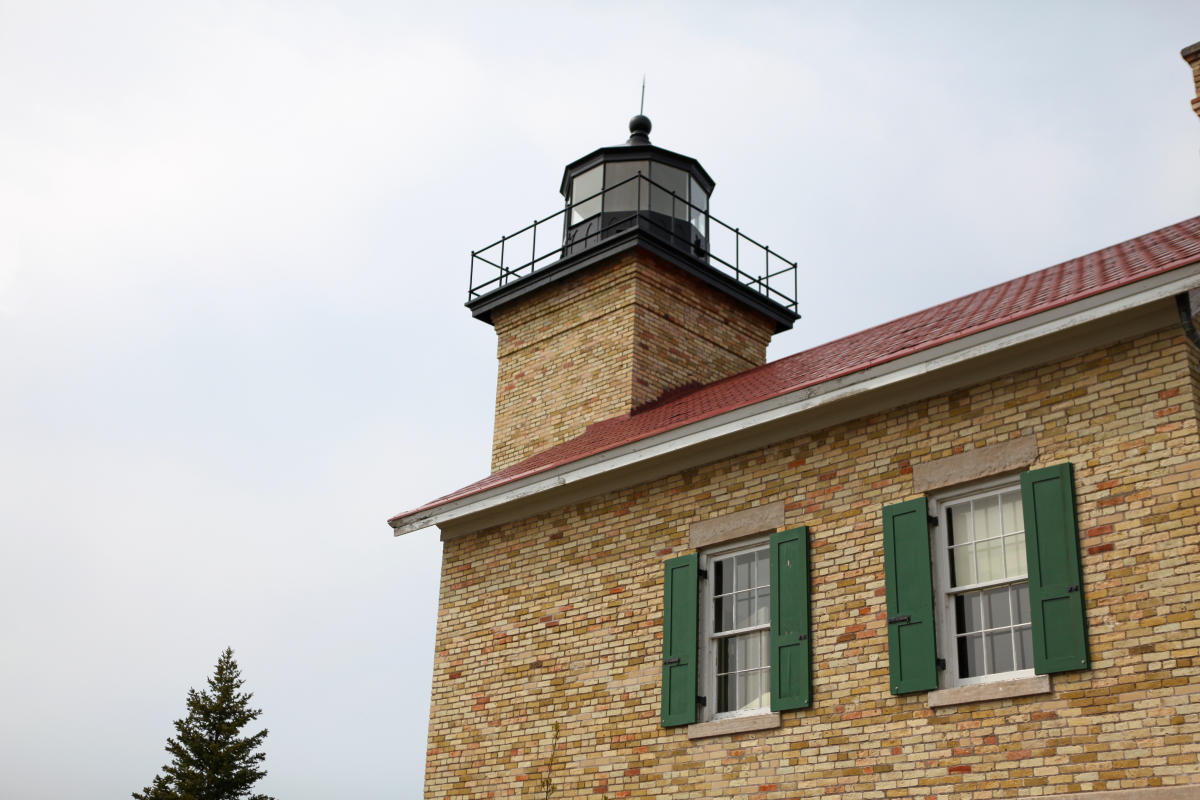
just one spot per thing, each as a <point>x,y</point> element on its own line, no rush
<point>637,148</point>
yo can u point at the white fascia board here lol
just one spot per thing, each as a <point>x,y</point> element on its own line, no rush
<point>739,422</point>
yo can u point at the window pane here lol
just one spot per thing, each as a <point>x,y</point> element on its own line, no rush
<point>743,606</point>
<point>626,197</point>
<point>740,690</point>
<point>700,205</point>
<point>1010,512</point>
<point>670,180</point>
<point>962,565</point>
<point>996,601</point>
<point>725,693</point>
<point>754,690</point>
<point>1024,648</point>
<point>762,609</point>
<point>970,656</point>
<point>584,186</point>
<point>726,655</point>
<point>749,652</point>
<point>1020,594</point>
<point>720,582</point>
<point>1014,555</point>
<point>967,613</point>
<point>762,569</point>
<point>723,613</point>
<point>1000,652</point>
<point>989,556</point>
<point>743,572</point>
<point>989,518</point>
<point>958,518</point>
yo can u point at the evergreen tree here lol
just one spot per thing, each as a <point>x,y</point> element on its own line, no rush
<point>210,759</point>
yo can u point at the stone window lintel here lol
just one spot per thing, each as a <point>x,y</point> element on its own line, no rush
<point>766,518</point>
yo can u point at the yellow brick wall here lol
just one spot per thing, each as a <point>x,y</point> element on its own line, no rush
<point>599,344</point>
<point>686,332</point>
<point>573,334</point>
<point>555,620</point>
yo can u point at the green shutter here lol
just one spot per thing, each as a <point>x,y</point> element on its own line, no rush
<point>791,627</point>
<point>681,605</point>
<point>912,648</point>
<point>1055,579</point>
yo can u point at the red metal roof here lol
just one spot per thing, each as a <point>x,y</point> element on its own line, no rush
<point>1137,259</point>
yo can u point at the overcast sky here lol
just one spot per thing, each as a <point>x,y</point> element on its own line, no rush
<point>234,241</point>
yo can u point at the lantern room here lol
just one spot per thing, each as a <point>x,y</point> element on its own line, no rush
<point>616,188</point>
<point>634,196</point>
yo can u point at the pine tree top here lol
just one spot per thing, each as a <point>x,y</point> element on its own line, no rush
<point>210,758</point>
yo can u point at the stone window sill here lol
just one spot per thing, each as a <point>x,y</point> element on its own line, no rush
<point>720,727</point>
<point>1038,684</point>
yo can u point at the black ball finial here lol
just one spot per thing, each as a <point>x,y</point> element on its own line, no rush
<point>639,130</point>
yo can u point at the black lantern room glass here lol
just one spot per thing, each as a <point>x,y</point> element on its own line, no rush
<point>637,185</point>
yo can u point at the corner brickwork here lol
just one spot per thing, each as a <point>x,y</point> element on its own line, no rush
<point>599,344</point>
<point>546,678</point>
<point>1191,54</point>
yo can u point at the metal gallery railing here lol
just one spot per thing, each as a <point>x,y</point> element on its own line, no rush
<point>723,247</point>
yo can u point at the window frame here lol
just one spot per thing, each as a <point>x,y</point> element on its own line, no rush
<point>707,660</point>
<point>945,615</point>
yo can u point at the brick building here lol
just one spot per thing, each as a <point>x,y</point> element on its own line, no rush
<point>956,554</point>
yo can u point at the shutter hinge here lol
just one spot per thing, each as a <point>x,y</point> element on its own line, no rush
<point>703,573</point>
<point>941,663</point>
<point>1073,587</point>
<point>669,661</point>
<point>802,637</point>
<point>933,521</point>
<point>701,699</point>
<point>896,620</point>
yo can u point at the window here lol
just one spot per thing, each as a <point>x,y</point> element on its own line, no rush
<point>1008,583</point>
<point>669,192</point>
<point>585,195</point>
<point>621,191</point>
<point>736,630</point>
<point>982,585</point>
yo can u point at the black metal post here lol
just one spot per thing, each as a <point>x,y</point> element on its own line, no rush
<point>737,252</point>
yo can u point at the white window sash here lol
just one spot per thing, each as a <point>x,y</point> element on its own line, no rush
<point>709,636</point>
<point>945,594</point>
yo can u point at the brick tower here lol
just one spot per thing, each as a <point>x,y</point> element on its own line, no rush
<point>629,302</point>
